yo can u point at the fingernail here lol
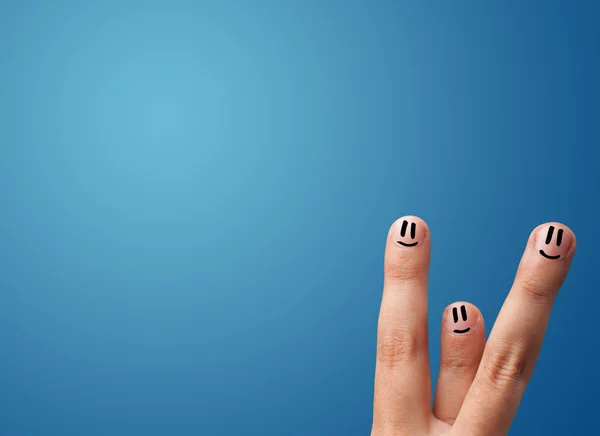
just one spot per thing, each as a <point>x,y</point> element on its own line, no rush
<point>409,232</point>
<point>553,241</point>
<point>459,319</point>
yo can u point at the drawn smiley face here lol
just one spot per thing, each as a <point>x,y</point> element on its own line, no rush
<point>553,247</point>
<point>408,239</point>
<point>460,324</point>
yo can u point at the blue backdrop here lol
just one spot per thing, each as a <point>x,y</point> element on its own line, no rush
<point>194,199</point>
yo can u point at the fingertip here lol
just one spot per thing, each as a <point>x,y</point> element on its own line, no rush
<point>408,249</point>
<point>462,345</point>
<point>553,241</point>
<point>409,231</point>
<point>461,318</point>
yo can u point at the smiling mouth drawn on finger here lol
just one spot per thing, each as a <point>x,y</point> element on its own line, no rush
<point>463,313</point>
<point>413,234</point>
<point>559,237</point>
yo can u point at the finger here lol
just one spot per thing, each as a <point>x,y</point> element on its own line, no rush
<point>462,343</point>
<point>402,384</point>
<point>516,339</point>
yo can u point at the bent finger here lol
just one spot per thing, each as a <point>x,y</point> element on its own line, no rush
<point>462,343</point>
<point>516,339</point>
<point>402,383</point>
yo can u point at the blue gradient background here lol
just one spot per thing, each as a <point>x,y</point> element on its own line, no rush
<point>194,198</point>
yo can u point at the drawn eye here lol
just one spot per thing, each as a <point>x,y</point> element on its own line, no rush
<point>559,236</point>
<point>463,313</point>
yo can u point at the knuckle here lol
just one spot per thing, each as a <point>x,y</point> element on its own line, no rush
<point>535,289</point>
<point>459,362</point>
<point>504,369</point>
<point>397,347</point>
<point>404,270</point>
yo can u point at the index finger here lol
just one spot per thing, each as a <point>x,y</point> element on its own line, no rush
<point>516,339</point>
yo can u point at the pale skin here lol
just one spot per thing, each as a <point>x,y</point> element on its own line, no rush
<point>480,384</point>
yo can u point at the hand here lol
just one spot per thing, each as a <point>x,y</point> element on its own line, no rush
<point>479,385</point>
